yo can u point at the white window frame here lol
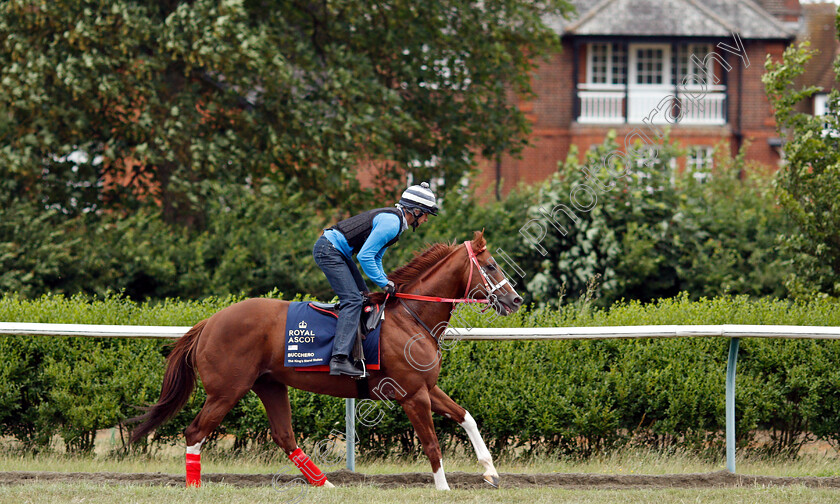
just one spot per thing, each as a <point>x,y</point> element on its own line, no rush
<point>820,104</point>
<point>690,69</point>
<point>646,100</point>
<point>633,70</point>
<point>434,182</point>
<point>700,161</point>
<point>821,109</point>
<point>610,75</point>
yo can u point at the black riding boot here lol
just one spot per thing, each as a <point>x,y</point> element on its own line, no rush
<point>341,365</point>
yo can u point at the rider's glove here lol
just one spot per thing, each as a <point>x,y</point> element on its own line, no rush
<point>389,288</point>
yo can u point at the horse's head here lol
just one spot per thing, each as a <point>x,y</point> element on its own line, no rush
<point>489,282</point>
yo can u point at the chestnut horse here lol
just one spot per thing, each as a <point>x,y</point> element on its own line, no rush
<point>241,348</point>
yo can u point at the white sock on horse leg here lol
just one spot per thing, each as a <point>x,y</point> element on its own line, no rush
<point>440,478</point>
<point>196,448</point>
<point>481,451</point>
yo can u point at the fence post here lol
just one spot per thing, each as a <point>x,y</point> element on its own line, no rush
<point>350,432</point>
<point>730,404</point>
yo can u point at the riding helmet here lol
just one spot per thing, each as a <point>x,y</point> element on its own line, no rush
<point>420,197</point>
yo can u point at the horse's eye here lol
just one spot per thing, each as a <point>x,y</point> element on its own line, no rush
<point>491,267</point>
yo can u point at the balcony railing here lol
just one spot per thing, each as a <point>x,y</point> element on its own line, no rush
<point>601,107</point>
<point>704,107</point>
<point>604,104</point>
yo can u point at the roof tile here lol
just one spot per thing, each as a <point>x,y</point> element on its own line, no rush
<point>689,18</point>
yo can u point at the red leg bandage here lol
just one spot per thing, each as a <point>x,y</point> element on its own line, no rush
<point>193,470</point>
<point>308,468</point>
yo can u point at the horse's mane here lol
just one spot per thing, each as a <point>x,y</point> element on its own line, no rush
<point>424,260</point>
<point>421,263</point>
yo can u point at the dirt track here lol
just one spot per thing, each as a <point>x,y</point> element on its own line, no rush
<point>459,480</point>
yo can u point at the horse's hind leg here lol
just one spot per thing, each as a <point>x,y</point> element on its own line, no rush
<point>275,397</point>
<point>444,405</point>
<point>211,415</point>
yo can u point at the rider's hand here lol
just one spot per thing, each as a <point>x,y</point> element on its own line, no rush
<point>389,288</point>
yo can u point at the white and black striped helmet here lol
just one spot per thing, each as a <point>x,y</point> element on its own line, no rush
<point>421,197</point>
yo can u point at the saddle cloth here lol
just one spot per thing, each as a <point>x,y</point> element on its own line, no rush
<point>310,331</point>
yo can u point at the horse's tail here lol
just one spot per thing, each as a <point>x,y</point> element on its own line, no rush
<point>178,384</point>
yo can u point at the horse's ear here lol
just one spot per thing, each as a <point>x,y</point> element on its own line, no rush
<point>478,241</point>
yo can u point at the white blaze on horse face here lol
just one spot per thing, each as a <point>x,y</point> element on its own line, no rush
<point>481,451</point>
<point>196,448</point>
<point>440,478</point>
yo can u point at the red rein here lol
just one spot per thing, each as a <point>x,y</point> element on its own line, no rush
<point>435,299</point>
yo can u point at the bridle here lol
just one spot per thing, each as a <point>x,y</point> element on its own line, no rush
<point>488,284</point>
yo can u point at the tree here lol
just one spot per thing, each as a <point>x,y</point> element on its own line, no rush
<point>809,182</point>
<point>648,230</point>
<point>101,100</point>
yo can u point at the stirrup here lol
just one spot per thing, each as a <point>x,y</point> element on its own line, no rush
<point>364,374</point>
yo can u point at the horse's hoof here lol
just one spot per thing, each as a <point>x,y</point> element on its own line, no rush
<point>327,484</point>
<point>492,480</point>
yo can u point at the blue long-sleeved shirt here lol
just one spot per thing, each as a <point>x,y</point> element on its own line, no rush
<point>386,226</point>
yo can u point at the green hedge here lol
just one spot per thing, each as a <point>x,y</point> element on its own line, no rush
<point>572,397</point>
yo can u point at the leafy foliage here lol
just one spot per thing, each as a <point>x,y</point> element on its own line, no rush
<point>654,234</point>
<point>253,242</point>
<point>649,230</point>
<point>96,385</point>
<point>100,98</point>
<point>809,183</point>
<point>36,248</point>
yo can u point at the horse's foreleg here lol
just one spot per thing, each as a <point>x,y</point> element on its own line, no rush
<point>275,398</point>
<point>419,411</point>
<point>444,405</point>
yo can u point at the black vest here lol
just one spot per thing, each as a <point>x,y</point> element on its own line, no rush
<point>356,229</point>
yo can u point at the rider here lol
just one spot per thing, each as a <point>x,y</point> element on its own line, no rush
<point>367,235</point>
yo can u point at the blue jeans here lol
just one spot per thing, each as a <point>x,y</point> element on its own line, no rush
<point>347,282</point>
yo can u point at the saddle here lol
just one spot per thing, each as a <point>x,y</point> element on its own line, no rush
<point>372,316</point>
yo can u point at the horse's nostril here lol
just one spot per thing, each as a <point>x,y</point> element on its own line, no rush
<point>517,300</point>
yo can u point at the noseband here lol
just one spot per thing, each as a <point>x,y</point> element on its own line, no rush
<point>489,286</point>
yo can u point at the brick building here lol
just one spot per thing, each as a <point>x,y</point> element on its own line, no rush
<point>819,28</point>
<point>694,66</point>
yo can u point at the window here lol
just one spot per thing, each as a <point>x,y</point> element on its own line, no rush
<point>649,168</point>
<point>619,65</point>
<point>650,65</point>
<point>820,104</point>
<point>646,156</point>
<point>824,107</point>
<point>686,68</point>
<point>598,70</point>
<point>426,168</point>
<point>606,64</point>
<point>699,162</point>
<point>648,76</point>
